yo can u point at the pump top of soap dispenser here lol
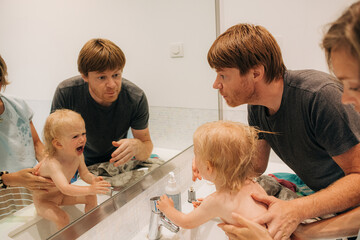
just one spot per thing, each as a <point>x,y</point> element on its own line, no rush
<point>172,180</point>
<point>173,191</point>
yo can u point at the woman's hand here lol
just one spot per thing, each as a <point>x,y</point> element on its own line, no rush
<point>244,230</point>
<point>27,178</point>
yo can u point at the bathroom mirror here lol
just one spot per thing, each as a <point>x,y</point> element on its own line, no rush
<point>165,43</point>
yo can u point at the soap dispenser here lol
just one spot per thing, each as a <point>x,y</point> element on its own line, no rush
<point>173,192</point>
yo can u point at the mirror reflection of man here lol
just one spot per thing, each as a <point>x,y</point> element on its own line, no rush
<point>109,104</point>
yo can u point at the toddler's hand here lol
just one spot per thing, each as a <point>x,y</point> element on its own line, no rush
<point>98,179</point>
<point>197,203</point>
<point>100,186</point>
<point>195,171</point>
<point>165,203</point>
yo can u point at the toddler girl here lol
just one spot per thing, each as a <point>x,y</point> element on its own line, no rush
<point>223,155</point>
<point>65,138</point>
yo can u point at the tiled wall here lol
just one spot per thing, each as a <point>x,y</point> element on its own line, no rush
<point>174,127</point>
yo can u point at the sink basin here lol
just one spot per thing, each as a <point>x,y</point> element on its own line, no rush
<point>26,224</point>
<point>209,230</point>
<point>40,228</point>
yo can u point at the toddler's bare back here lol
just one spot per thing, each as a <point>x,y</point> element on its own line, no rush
<point>240,202</point>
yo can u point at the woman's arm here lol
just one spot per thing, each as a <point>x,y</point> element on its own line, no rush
<point>26,178</point>
<point>38,145</point>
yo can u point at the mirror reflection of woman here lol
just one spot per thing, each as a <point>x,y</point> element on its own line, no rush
<point>20,149</point>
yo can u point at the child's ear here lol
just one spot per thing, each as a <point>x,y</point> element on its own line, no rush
<point>55,142</point>
<point>209,167</point>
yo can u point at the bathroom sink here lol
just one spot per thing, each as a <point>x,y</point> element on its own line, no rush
<point>40,228</point>
<point>209,230</point>
<point>26,224</point>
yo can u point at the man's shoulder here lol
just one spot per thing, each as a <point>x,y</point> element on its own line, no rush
<point>131,88</point>
<point>310,80</point>
<point>75,81</point>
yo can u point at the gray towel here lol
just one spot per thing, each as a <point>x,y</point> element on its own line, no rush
<point>126,174</point>
<point>274,188</point>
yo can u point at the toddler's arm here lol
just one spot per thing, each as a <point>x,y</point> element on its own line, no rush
<point>84,173</point>
<point>61,182</point>
<point>198,216</point>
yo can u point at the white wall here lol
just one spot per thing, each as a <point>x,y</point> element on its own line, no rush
<point>40,41</point>
<point>298,26</point>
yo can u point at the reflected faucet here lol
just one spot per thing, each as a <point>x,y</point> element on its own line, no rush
<point>158,219</point>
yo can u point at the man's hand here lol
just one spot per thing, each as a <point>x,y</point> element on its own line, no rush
<point>282,217</point>
<point>195,171</point>
<point>126,150</point>
<point>27,178</point>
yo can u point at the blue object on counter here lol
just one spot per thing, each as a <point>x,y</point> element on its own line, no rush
<point>75,177</point>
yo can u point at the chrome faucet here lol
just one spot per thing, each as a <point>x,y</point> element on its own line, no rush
<point>158,219</point>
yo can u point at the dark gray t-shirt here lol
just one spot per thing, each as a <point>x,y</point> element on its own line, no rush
<point>103,124</point>
<point>311,126</point>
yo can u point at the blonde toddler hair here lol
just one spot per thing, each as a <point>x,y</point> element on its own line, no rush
<point>58,122</point>
<point>229,147</point>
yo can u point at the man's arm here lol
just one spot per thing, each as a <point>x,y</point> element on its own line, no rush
<point>39,146</point>
<point>139,147</point>
<point>262,157</point>
<point>284,216</point>
<point>145,145</point>
<point>342,194</point>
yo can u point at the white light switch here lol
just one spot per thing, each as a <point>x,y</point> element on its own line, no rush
<point>176,50</point>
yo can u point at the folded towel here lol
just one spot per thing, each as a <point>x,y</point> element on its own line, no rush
<point>301,188</point>
<point>273,187</point>
<point>285,183</point>
<point>126,174</point>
